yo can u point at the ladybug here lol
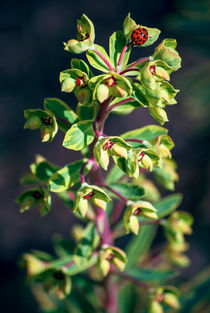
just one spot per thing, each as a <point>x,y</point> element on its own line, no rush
<point>139,36</point>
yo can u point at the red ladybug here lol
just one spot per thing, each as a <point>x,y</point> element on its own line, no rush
<point>139,36</point>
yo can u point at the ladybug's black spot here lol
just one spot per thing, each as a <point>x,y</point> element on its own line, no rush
<point>37,195</point>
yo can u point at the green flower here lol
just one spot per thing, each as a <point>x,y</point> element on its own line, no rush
<point>74,80</point>
<point>133,211</point>
<point>37,196</point>
<point>44,120</point>
<point>111,255</point>
<point>143,158</point>
<point>164,295</point>
<point>85,36</point>
<point>107,85</point>
<point>90,193</point>
<point>110,146</point>
<point>166,52</point>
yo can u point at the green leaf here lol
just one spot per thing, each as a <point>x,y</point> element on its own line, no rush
<point>62,112</point>
<point>153,34</point>
<point>43,169</point>
<point>82,66</point>
<point>86,112</point>
<point>87,244</point>
<point>139,245</point>
<point>116,44</point>
<point>66,199</point>
<point>96,61</point>
<point>129,191</point>
<point>66,177</point>
<point>168,204</point>
<point>150,275</point>
<point>127,298</point>
<point>145,133</point>
<point>79,135</point>
<point>166,175</point>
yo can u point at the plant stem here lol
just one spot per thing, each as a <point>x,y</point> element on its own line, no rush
<point>137,62</point>
<point>115,192</point>
<point>97,133</point>
<point>121,58</point>
<point>120,102</point>
<point>117,211</point>
<point>104,59</point>
<point>129,70</point>
<point>134,140</point>
<point>82,177</point>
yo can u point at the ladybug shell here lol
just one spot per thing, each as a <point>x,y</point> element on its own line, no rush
<point>139,36</point>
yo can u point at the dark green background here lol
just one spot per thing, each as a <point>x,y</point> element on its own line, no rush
<point>31,56</point>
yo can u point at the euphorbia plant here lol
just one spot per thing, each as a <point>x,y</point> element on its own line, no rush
<point>110,188</point>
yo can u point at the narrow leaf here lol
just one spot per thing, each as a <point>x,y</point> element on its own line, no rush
<point>140,245</point>
<point>130,191</point>
<point>96,61</point>
<point>168,204</point>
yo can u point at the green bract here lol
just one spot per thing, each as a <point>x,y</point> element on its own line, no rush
<point>129,26</point>
<point>133,211</point>
<point>90,193</point>
<point>85,36</point>
<point>37,196</point>
<point>167,53</point>
<point>110,146</point>
<point>111,255</point>
<point>44,120</point>
<point>131,200</point>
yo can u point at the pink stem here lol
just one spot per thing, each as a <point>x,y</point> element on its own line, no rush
<point>121,58</point>
<point>134,140</point>
<point>137,62</point>
<point>82,177</point>
<point>117,211</point>
<point>97,133</point>
<point>120,102</point>
<point>129,70</point>
<point>104,59</point>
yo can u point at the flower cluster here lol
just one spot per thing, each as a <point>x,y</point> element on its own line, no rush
<point>124,201</point>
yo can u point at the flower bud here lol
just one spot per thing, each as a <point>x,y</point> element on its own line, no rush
<point>155,307</point>
<point>164,151</point>
<point>133,225</point>
<point>146,163</point>
<point>27,203</point>
<point>84,95</point>
<point>68,85</point>
<point>46,134</point>
<point>33,122</point>
<point>171,300</point>
<point>158,114</point>
<point>102,93</point>
<point>33,264</point>
<point>119,150</point>
<point>118,91</point>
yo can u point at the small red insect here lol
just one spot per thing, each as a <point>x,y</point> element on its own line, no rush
<point>139,36</point>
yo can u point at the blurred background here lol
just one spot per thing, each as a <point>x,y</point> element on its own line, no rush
<point>31,57</point>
